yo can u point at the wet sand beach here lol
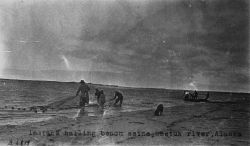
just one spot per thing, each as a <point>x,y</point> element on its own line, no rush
<point>224,120</point>
<point>199,124</point>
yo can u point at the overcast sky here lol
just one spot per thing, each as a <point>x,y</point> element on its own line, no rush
<point>181,44</point>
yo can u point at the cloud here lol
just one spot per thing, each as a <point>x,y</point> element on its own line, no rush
<point>144,43</point>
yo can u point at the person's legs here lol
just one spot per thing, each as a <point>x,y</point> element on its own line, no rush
<point>192,96</point>
<point>186,97</point>
<point>83,101</point>
<point>80,103</point>
<point>121,101</point>
<point>101,103</point>
<point>87,98</point>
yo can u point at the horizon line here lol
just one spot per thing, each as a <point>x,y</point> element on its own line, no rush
<point>44,80</point>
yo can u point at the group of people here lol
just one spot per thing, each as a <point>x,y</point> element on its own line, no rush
<point>193,96</point>
<point>84,89</point>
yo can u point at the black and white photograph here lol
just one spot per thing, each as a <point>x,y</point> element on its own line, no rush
<point>124,73</point>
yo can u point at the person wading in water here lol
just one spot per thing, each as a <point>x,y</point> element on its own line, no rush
<point>84,89</point>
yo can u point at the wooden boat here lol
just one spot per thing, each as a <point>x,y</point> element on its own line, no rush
<point>190,97</point>
<point>197,100</point>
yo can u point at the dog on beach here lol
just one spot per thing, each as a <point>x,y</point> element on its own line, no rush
<point>159,110</point>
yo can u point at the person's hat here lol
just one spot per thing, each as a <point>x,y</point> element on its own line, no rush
<point>82,81</point>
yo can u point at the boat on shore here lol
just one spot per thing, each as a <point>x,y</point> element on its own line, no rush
<point>196,100</point>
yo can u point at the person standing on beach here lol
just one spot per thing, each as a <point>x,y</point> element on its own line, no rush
<point>119,98</point>
<point>207,96</point>
<point>195,95</point>
<point>84,89</point>
<point>97,95</point>
<point>102,99</point>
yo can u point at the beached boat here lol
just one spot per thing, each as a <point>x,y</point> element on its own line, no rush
<point>190,97</point>
<point>197,100</point>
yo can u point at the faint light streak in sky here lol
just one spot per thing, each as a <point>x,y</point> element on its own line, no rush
<point>66,62</point>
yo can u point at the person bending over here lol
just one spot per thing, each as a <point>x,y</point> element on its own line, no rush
<point>118,98</point>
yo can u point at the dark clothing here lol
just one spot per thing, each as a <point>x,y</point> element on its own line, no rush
<point>87,99</point>
<point>119,98</point>
<point>84,97</point>
<point>102,100</point>
<point>159,110</point>
<point>207,96</point>
<point>186,96</point>
<point>83,101</point>
<point>84,89</point>
<point>195,95</point>
<point>97,95</point>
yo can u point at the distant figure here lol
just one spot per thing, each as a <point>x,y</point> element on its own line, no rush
<point>102,99</point>
<point>44,110</point>
<point>84,89</point>
<point>27,142</point>
<point>31,108</point>
<point>195,95</point>
<point>186,95</point>
<point>97,95</point>
<point>159,110</point>
<point>207,96</point>
<point>119,98</point>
